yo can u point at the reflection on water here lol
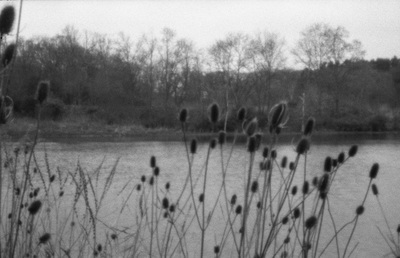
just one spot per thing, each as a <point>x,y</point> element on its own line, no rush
<point>347,192</point>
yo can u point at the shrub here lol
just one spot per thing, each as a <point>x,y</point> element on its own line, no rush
<point>27,107</point>
<point>378,123</point>
<point>54,109</point>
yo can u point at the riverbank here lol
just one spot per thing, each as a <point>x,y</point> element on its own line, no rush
<point>75,131</point>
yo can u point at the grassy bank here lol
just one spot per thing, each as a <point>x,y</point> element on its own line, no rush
<point>85,130</point>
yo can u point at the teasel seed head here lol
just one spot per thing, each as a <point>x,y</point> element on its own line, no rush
<point>42,91</point>
<point>309,126</point>
<point>374,171</point>
<point>34,207</point>
<point>294,190</point>
<point>151,181</point>
<point>213,113</point>
<point>201,197</point>
<point>254,186</point>
<point>233,199</point>
<point>353,150</point>
<point>143,179</point>
<point>279,114</point>
<point>323,195</point>
<point>52,178</point>
<point>99,248</point>
<point>165,203</point>
<point>238,209</point>
<point>7,17</point>
<point>172,208</point>
<point>374,189</point>
<point>156,171</point>
<point>113,236</point>
<point>315,181</point>
<point>216,249</point>
<point>165,215</point>
<point>213,143</point>
<point>251,127</point>
<point>152,161</point>
<point>398,229</point>
<point>328,164</point>
<point>286,241</point>
<point>138,187</point>
<point>167,186</point>
<point>258,205</point>
<point>61,193</point>
<point>291,165</point>
<point>341,158</point>
<point>284,162</point>
<point>241,115</point>
<point>285,220</point>
<point>265,152</point>
<point>8,55</point>
<point>193,146</point>
<point>303,146</point>
<point>311,222</point>
<point>334,163</point>
<point>221,137</point>
<point>296,213</point>
<point>306,187</point>
<point>360,210</point>
<point>323,183</point>
<point>273,154</point>
<point>36,191</point>
<point>183,115</point>
<point>251,145</point>
<point>44,238</point>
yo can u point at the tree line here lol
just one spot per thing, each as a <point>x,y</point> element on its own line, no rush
<point>148,79</point>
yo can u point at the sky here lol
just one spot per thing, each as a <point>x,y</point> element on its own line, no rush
<point>376,23</point>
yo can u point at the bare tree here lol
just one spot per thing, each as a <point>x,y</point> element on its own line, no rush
<point>147,57</point>
<point>267,58</point>
<point>186,61</point>
<point>168,62</point>
<point>322,46</point>
<point>231,57</point>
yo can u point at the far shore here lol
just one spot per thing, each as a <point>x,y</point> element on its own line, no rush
<point>95,132</point>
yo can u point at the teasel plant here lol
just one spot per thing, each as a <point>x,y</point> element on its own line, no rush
<point>41,96</point>
<point>277,209</point>
<point>8,53</point>
<point>392,240</point>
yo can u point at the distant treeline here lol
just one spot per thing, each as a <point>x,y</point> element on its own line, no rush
<point>147,80</point>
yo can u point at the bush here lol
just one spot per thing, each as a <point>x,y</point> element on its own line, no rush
<point>26,107</point>
<point>348,123</point>
<point>378,123</point>
<point>159,117</point>
<point>53,109</point>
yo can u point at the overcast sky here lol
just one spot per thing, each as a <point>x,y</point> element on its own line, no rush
<point>376,23</point>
